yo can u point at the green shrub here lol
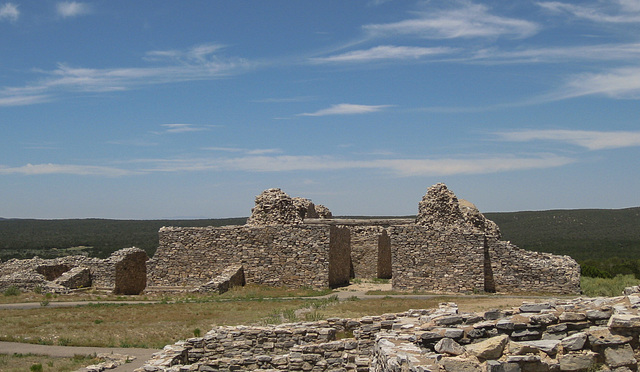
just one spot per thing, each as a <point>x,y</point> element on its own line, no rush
<point>609,287</point>
<point>36,367</point>
<point>12,290</point>
<point>196,332</point>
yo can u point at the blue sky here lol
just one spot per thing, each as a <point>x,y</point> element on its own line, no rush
<point>167,109</point>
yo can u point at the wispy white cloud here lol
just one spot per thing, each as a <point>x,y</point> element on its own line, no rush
<point>399,167</point>
<point>466,21</point>
<point>197,63</point>
<point>621,11</point>
<point>68,169</point>
<point>385,52</point>
<point>22,100</point>
<point>183,128</point>
<point>346,109</point>
<point>68,9</point>
<point>10,12</point>
<point>246,151</point>
<point>262,161</point>
<point>621,83</point>
<point>592,140</point>
<point>601,52</point>
<point>285,99</point>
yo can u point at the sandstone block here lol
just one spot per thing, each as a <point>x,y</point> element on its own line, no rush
<point>489,349</point>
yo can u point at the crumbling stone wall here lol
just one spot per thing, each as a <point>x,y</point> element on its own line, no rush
<point>454,248</point>
<point>281,255</point>
<point>583,334</point>
<point>450,247</point>
<point>518,270</point>
<point>124,272</point>
<point>129,271</point>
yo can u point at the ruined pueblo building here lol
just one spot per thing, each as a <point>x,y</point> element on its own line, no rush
<point>449,247</point>
<point>124,272</point>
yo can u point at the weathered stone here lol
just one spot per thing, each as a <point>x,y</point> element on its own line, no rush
<point>77,277</point>
<point>603,337</point>
<point>547,346</point>
<point>619,356</point>
<point>577,361</point>
<point>489,349</point>
<point>569,316</point>
<point>274,207</point>
<point>457,364</point>
<point>574,342</point>
<point>528,307</point>
<point>449,346</point>
<point>624,321</point>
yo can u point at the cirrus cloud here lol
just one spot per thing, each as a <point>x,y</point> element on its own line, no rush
<point>467,21</point>
<point>384,52</point>
<point>346,109</point>
<point>592,140</point>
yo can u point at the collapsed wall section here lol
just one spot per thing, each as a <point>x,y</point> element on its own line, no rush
<point>124,272</point>
<point>518,270</point>
<point>279,255</point>
<point>437,260</point>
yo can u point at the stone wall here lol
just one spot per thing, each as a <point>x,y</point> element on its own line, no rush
<point>124,272</point>
<point>280,255</point>
<point>518,270</point>
<point>469,261</point>
<point>584,334</point>
<point>435,260</point>
<point>364,250</point>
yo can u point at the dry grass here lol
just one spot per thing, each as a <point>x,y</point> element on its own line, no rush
<point>249,292</point>
<point>30,362</point>
<point>123,325</point>
<point>183,316</point>
<point>359,308</point>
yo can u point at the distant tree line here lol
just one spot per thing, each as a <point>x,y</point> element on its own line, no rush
<point>606,242</point>
<point>25,238</point>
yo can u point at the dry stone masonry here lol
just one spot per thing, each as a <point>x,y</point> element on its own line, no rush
<point>124,272</point>
<point>449,247</point>
<point>584,334</point>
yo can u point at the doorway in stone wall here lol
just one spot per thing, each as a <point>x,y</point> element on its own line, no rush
<point>489,282</point>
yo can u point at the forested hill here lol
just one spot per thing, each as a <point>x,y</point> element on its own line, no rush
<point>24,238</point>
<point>583,234</point>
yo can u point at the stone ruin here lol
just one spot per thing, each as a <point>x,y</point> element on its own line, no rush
<point>583,334</point>
<point>124,272</point>
<point>449,248</point>
<point>274,207</point>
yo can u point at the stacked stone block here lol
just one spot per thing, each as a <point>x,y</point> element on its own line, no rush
<point>584,334</point>
<point>124,272</point>
<point>282,255</point>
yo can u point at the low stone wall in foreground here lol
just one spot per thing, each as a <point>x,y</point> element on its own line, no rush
<point>585,334</point>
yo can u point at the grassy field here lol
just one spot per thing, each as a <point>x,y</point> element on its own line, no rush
<point>175,317</point>
<point>41,363</point>
<point>179,317</point>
